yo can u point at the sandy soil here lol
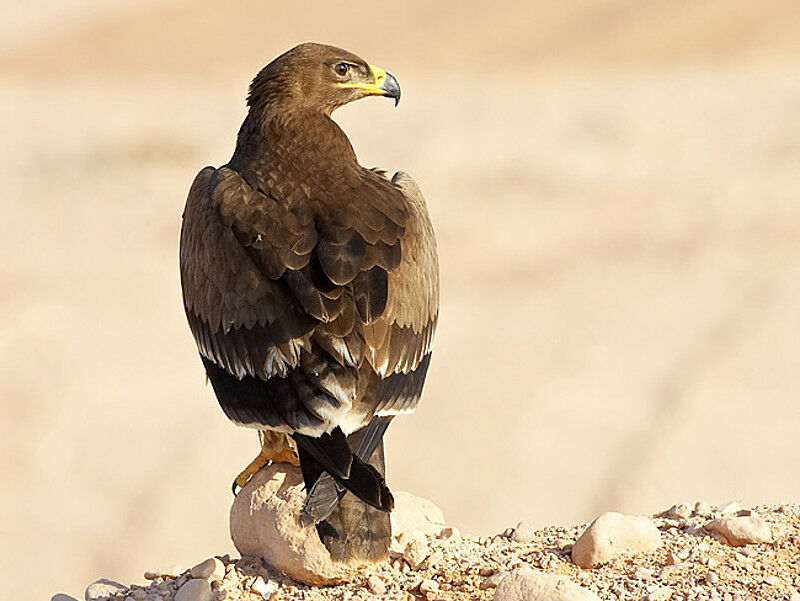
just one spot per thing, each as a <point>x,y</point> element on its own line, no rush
<point>616,202</point>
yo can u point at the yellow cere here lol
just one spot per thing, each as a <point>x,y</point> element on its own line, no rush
<point>379,76</point>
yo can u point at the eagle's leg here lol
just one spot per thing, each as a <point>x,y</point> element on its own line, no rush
<point>276,447</point>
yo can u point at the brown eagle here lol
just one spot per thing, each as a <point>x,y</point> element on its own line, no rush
<point>311,286</point>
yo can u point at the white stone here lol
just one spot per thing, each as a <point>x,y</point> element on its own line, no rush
<point>376,585</point>
<point>196,589</point>
<point>612,534</point>
<point>265,588</point>
<point>62,597</point>
<point>103,588</point>
<point>740,531</point>
<point>523,533</point>
<point>702,508</point>
<point>265,522</point>
<point>525,584</point>
<point>415,513</point>
<point>680,511</point>
<point>210,569</point>
<point>428,587</point>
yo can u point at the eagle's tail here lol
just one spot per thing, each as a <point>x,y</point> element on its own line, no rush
<point>351,512</point>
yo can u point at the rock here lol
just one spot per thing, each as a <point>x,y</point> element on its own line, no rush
<point>612,534</point>
<point>196,589</point>
<point>169,572</point>
<point>681,511</point>
<point>428,587</point>
<point>662,593</point>
<point>494,580</point>
<point>210,569</point>
<point>265,588</point>
<point>740,531</point>
<point>265,522</point>
<point>729,508</point>
<point>523,533</point>
<point>415,513</point>
<point>415,552</point>
<point>712,578</point>
<point>525,584</point>
<point>376,585</point>
<point>702,508</point>
<point>103,588</point>
<point>772,580</point>
<point>62,597</point>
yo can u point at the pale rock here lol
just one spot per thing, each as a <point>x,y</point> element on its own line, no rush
<point>525,584</point>
<point>494,580</point>
<point>415,513</point>
<point>103,588</point>
<point>772,580</point>
<point>662,593</point>
<point>612,534</point>
<point>681,511</point>
<point>740,531</point>
<point>266,589</point>
<point>415,552</point>
<point>210,569</point>
<point>729,508</point>
<point>62,597</point>
<point>376,585</point>
<point>265,522</point>
<point>196,589</point>
<point>428,587</point>
<point>523,533</point>
<point>712,578</point>
<point>702,508</point>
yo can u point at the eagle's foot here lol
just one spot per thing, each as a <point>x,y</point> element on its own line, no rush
<point>276,447</point>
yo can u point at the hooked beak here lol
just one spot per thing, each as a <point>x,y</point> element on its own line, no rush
<point>382,84</point>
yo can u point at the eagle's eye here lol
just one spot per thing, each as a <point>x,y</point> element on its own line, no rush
<point>342,68</point>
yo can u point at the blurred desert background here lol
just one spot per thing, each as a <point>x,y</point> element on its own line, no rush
<point>616,190</point>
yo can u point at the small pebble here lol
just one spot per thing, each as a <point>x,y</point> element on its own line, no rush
<point>208,569</point>
<point>376,585</point>
<point>702,508</point>
<point>681,511</point>
<point>428,587</point>
<point>265,588</point>
<point>103,588</point>
<point>772,580</point>
<point>523,533</point>
<point>712,578</point>
<point>197,589</point>
<point>450,533</point>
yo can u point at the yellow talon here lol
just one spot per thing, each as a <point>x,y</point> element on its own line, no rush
<point>276,447</point>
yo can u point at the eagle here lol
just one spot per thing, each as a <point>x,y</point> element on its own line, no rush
<point>311,288</point>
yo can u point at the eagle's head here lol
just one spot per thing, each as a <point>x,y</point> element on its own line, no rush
<point>320,78</point>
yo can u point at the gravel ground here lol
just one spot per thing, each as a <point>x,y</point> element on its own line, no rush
<point>690,564</point>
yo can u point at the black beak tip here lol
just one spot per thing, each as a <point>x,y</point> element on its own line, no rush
<point>391,88</point>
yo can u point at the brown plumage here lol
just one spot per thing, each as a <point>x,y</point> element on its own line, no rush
<point>311,288</point>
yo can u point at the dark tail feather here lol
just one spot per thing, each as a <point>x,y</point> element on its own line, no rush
<point>331,453</point>
<point>326,492</point>
<point>354,531</point>
<point>353,525</point>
